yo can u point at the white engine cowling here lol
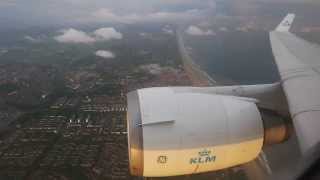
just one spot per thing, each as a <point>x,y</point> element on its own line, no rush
<point>175,132</point>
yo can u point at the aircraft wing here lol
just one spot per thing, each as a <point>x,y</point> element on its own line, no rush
<point>298,62</point>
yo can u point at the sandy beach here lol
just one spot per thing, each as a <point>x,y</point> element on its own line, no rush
<point>195,73</point>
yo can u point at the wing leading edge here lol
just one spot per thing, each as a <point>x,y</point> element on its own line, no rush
<point>298,62</point>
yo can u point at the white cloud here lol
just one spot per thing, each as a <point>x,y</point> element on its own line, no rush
<point>77,36</point>
<point>105,54</point>
<point>74,36</point>
<point>36,39</point>
<point>107,34</point>
<point>167,30</point>
<point>29,38</point>
<point>107,15</point>
<point>195,31</point>
<point>223,29</point>
<point>35,12</point>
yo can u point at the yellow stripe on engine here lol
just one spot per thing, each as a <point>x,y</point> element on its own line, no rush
<point>198,160</point>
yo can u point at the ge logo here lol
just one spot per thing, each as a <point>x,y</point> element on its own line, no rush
<point>162,159</point>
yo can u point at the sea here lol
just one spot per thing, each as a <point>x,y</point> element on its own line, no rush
<point>237,57</point>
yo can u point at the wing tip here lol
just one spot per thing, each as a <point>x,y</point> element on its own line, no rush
<point>286,23</point>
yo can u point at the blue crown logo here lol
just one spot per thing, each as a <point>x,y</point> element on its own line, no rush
<point>204,152</point>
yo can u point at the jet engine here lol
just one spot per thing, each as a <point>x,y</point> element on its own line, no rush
<point>177,132</point>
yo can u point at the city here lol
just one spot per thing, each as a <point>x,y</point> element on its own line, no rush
<point>79,132</point>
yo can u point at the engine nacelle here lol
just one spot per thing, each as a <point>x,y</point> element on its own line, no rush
<point>176,132</point>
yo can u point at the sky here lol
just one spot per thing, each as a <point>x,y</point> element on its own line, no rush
<point>64,12</point>
<point>115,11</point>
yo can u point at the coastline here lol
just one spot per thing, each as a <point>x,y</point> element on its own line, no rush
<point>197,76</point>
